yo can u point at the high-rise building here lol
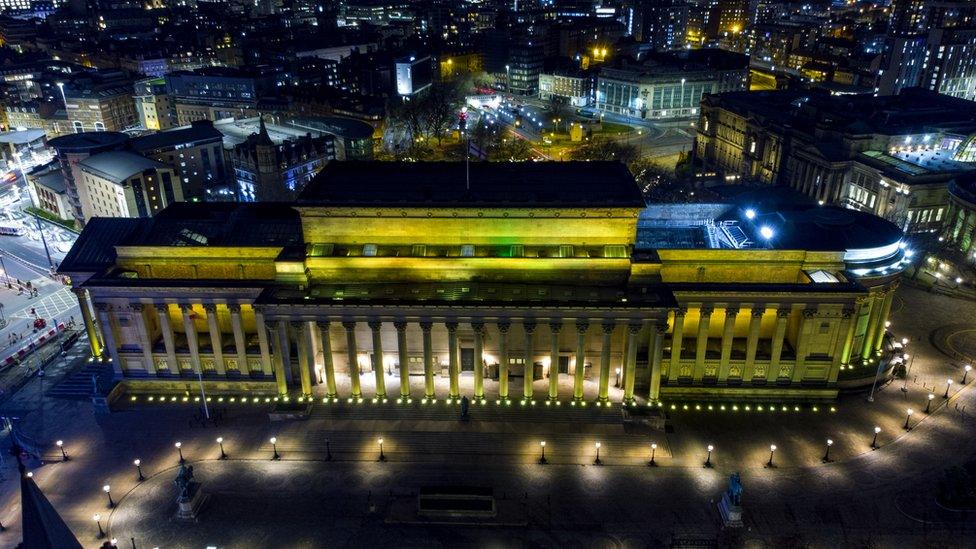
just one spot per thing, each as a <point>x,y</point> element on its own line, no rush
<point>525,66</point>
<point>70,150</point>
<point>662,24</point>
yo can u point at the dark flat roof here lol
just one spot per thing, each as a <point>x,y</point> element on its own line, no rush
<point>493,184</point>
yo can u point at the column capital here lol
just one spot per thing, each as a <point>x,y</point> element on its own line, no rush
<point>234,308</point>
<point>809,312</point>
<point>451,326</point>
<point>847,312</point>
<point>185,307</point>
<point>555,326</point>
<point>608,326</point>
<point>783,312</point>
<point>706,309</point>
<point>375,325</point>
<point>758,311</point>
<point>478,326</point>
<point>349,324</point>
<point>680,311</point>
<point>161,307</point>
<point>297,324</point>
<point>529,326</point>
<point>400,325</point>
<point>503,326</point>
<point>732,311</point>
<point>426,326</point>
<point>323,324</point>
<point>136,307</point>
<point>633,328</point>
<point>662,327</point>
<point>582,325</point>
<point>210,307</point>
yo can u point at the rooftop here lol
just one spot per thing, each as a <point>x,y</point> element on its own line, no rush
<point>118,166</point>
<point>87,140</point>
<point>21,137</point>
<point>201,130</point>
<point>492,184</point>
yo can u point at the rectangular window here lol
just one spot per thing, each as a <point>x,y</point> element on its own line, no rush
<point>467,250</point>
<point>369,250</point>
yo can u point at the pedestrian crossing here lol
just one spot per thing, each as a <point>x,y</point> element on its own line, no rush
<point>51,307</point>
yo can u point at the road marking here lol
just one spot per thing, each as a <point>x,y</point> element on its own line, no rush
<point>51,306</point>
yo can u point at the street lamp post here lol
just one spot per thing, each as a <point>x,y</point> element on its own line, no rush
<point>138,464</point>
<point>179,448</point>
<point>98,520</point>
<point>904,387</point>
<point>220,442</point>
<point>874,441</point>
<point>653,451</point>
<point>708,458</point>
<point>108,492</point>
<point>965,374</point>
<point>542,459</point>
<point>874,384</point>
<point>328,450</point>
<point>908,417</point>
<point>274,447</point>
<point>772,450</point>
<point>37,218</point>
<point>597,460</point>
<point>382,455</point>
<point>826,458</point>
<point>64,455</point>
<point>948,385</point>
<point>928,405</point>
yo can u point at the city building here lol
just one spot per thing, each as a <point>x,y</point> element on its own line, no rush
<point>214,93</point>
<point>100,101</point>
<point>153,104</point>
<point>525,64</point>
<point>49,116</point>
<point>668,85</point>
<point>194,152</point>
<point>124,184</point>
<point>70,150</point>
<point>960,226</point>
<point>662,24</point>
<point>891,155</point>
<point>270,170</point>
<point>383,277</point>
<point>20,144</point>
<point>575,86</point>
<point>414,74</point>
<point>49,192</point>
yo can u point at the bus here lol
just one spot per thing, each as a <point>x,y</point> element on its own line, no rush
<point>11,230</point>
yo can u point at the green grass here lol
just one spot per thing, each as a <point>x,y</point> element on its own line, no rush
<point>66,223</point>
<point>609,128</point>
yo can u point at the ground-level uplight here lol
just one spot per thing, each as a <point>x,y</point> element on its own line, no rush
<point>98,520</point>
<point>64,455</point>
<point>772,450</point>
<point>928,405</point>
<point>826,458</point>
<point>138,464</point>
<point>874,441</point>
<point>382,455</point>
<point>179,448</point>
<point>908,417</point>
<point>708,457</point>
<point>542,458</point>
<point>274,447</point>
<point>597,460</point>
<point>653,451</point>
<point>108,492</point>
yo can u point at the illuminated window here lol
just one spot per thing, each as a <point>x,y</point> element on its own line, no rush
<point>369,250</point>
<point>467,250</point>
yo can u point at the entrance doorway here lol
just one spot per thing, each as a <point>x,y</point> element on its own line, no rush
<point>467,360</point>
<point>564,365</point>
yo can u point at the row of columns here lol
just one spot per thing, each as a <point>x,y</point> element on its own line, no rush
<point>306,347</point>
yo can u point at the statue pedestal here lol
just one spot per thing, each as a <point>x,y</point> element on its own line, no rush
<point>731,513</point>
<point>189,507</point>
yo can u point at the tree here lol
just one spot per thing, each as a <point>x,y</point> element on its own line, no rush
<point>606,149</point>
<point>559,108</point>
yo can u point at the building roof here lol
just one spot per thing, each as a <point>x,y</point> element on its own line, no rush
<point>492,184</point>
<point>198,131</point>
<point>87,140</point>
<point>21,137</point>
<point>43,527</point>
<point>95,248</point>
<point>51,179</point>
<point>117,166</point>
<point>227,224</point>
<point>346,128</point>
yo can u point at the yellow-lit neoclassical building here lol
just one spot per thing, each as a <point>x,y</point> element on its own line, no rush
<point>530,281</point>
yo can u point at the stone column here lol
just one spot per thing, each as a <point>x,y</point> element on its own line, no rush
<point>267,367</point>
<point>581,327</point>
<point>104,318</point>
<point>479,363</point>
<point>752,341</point>
<point>877,303</point>
<point>842,354</point>
<point>166,327</point>
<point>631,366</point>
<point>779,334</point>
<point>676,336</point>
<point>503,327</point>
<point>425,327</point>
<point>529,369</point>
<point>883,317</point>
<point>325,337</point>
<point>240,345</point>
<point>306,355</point>
<point>216,344</point>
<point>94,342</point>
<point>554,327</point>
<point>353,356</point>
<point>144,340</point>
<point>377,326</point>
<point>452,359</point>
<point>283,364</point>
<point>404,357</point>
<point>701,342</point>
<point>658,331</point>
<point>728,333</point>
<point>803,342</point>
<point>605,362</point>
<point>192,341</point>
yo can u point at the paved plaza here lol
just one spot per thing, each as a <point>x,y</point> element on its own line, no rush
<point>862,498</point>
